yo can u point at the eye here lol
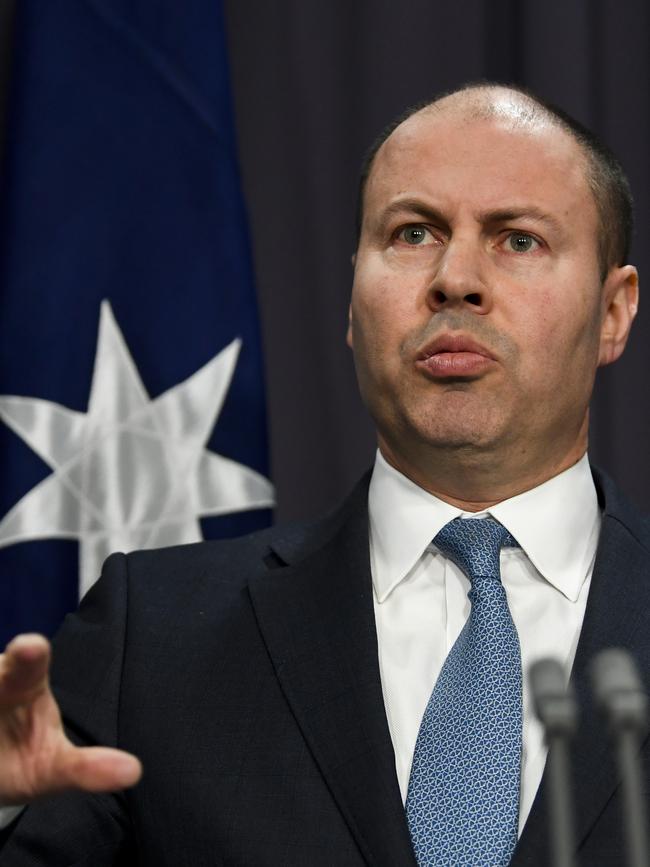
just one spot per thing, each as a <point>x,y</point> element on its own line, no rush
<point>415,236</point>
<point>521,242</point>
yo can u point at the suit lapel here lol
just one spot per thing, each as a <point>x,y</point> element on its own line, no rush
<point>616,616</point>
<point>316,617</point>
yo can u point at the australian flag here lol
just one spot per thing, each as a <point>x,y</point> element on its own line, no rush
<point>132,406</point>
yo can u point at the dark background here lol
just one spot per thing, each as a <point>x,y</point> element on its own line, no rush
<point>314,82</point>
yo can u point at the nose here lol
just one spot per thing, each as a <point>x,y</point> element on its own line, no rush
<point>460,280</point>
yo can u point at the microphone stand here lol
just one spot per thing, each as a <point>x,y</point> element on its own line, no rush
<point>556,708</point>
<point>622,698</point>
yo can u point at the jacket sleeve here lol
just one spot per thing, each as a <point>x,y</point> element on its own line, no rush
<point>76,828</point>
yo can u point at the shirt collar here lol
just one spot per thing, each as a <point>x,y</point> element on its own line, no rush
<point>557,525</point>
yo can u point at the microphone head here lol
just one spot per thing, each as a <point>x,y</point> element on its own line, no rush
<point>618,690</point>
<point>553,698</point>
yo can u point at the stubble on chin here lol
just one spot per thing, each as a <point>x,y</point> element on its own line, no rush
<point>459,418</point>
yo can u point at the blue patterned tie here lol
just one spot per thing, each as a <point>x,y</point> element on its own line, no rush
<point>463,797</point>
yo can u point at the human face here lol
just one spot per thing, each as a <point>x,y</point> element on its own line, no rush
<point>478,314</point>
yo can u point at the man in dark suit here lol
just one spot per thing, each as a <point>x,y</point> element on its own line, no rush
<point>273,686</point>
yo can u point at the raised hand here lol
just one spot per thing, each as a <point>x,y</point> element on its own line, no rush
<point>36,757</point>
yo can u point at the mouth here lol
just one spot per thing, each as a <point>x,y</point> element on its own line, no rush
<point>451,356</point>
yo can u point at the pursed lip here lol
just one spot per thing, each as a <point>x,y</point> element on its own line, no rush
<point>453,343</point>
<point>454,355</point>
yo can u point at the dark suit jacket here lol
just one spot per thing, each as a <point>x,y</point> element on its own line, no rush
<point>245,676</point>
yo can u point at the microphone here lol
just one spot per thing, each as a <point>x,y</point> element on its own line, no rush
<point>621,697</point>
<point>556,707</point>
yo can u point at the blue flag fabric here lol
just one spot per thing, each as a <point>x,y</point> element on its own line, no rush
<point>132,401</point>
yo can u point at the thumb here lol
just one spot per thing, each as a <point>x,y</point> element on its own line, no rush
<point>95,769</point>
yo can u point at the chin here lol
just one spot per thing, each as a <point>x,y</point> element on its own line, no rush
<point>460,429</point>
<point>459,441</point>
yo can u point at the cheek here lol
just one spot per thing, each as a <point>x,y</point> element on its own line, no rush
<point>560,340</point>
<point>384,310</point>
<point>375,340</point>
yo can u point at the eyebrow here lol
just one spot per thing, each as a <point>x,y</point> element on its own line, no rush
<point>486,218</point>
<point>413,206</point>
<point>525,212</point>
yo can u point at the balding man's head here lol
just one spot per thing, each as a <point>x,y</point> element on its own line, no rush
<point>490,102</point>
<point>486,294</point>
<point>520,109</point>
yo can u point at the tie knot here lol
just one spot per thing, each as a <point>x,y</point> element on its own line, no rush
<point>474,544</point>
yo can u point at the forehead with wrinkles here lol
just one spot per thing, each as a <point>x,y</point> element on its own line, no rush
<point>491,140</point>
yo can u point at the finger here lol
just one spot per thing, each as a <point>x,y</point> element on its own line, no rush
<point>96,769</point>
<point>24,664</point>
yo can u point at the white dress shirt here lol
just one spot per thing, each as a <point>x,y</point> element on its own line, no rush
<point>421,602</point>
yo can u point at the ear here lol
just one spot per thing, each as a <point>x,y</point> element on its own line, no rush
<point>348,337</point>
<point>620,303</point>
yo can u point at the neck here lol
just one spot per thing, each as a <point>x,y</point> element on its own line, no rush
<point>474,482</point>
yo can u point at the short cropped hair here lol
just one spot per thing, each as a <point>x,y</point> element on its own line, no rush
<point>605,176</point>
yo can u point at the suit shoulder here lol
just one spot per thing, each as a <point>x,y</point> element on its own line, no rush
<point>235,559</point>
<point>197,555</point>
<point>617,507</point>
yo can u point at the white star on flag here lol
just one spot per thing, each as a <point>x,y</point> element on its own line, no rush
<point>131,472</point>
